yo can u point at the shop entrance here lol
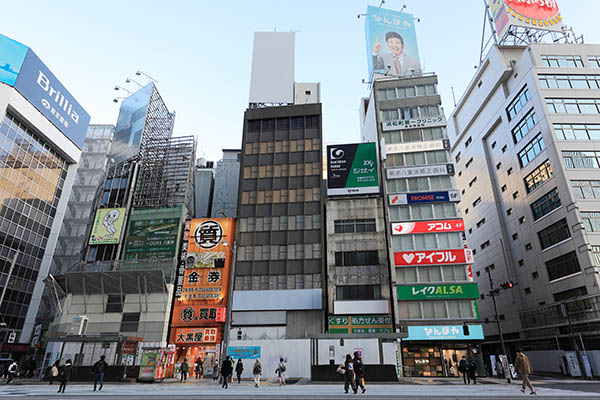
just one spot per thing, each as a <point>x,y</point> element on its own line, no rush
<point>208,355</point>
<point>452,357</point>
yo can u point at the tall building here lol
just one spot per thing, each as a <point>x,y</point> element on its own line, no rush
<point>524,138</point>
<point>227,179</point>
<point>204,181</point>
<point>41,137</point>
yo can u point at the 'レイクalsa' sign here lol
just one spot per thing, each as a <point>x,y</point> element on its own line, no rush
<point>438,292</point>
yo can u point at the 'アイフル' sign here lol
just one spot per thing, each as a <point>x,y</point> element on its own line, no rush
<point>433,257</point>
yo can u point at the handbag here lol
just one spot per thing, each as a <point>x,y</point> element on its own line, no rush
<point>340,369</point>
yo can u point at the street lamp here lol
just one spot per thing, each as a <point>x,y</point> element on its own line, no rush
<point>229,298</point>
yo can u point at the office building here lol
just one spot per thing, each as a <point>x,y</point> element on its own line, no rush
<point>204,181</point>
<point>227,179</point>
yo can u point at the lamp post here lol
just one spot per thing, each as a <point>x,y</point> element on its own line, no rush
<point>229,298</point>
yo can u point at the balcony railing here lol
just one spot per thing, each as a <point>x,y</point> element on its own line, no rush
<point>582,309</point>
<point>168,266</point>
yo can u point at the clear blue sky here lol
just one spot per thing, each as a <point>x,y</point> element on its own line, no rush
<point>200,52</point>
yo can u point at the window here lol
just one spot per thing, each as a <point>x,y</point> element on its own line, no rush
<point>518,103</point>
<point>569,81</point>
<point>130,322</point>
<point>457,157</point>
<point>503,188</point>
<point>501,317</point>
<point>504,148</point>
<point>577,131</point>
<point>515,236</point>
<point>414,135</point>
<point>594,61</point>
<point>476,202</point>
<point>358,292</point>
<point>499,165</point>
<point>521,220</point>
<point>581,159</point>
<point>573,106</point>
<point>469,162</point>
<point>454,309</point>
<point>596,255</point>
<point>591,221</point>
<point>472,182</point>
<point>528,246</point>
<point>470,230</point>
<point>509,211</point>
<point>469,141</point>
<point>354,225</point>
<point>562,266</point>
<point>114,303</point>
<point>485,244</point>
<point>480,223</point>
<point>356,258</point>
<point>531,150</point>
<point>562,61</point>
<point>524,126</point>
<point>584,190</point>
<point>493,144</point>
<point>538,176</point>
<point>527,290</point>
<point>554,234</point>
<point>571,293</point>
<point>509,171</point>
<point>535,275</point>
<point>521,262</point>
<point>515,195</point>
<point>466,210</point>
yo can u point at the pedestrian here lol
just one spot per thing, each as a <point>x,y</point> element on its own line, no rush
<point>215,371</point>
<point>472,370</point>
<point>463,368</point>
<point>499,368</point>
<point>54,371</point>
<point>257,372</point>
<point>232,361</point>
<point>98,369</point>
<point>239,368</point>
<point>12,371</point>
<point>184,368</point>
<point>226,371</point>
<point>65,375</point>
<point>523,367</point>
<point>349,376</point>
<point>359,371</point>
<point>198,368</point>
<point>280,371</point>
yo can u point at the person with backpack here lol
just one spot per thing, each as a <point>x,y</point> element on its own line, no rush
<point>65,375</point>
<point>12,371</point>
<point>359,371</point>
<point>281,372</point>
<point>98,369</point>
<point>54,371</point>
<point>184,368</point>
<point>257,372</point>
<point>239,368</point>
<point>347,369</point>
<point>463,368</point>
<point>226,372</point>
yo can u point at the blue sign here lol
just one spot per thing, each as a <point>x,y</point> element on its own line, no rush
<point>12,55</point>
<point>243,351</point>
<point>444,332</point>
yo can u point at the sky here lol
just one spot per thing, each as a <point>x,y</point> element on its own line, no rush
<point>200,53</point>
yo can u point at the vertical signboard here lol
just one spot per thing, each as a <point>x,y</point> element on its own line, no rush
<point>391,43</point>
<point>107,226</point>
<point>352,169</point>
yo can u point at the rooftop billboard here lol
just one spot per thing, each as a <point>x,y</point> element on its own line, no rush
<point>542,14</point>
<point>352,169</point>
<point>391,43</point>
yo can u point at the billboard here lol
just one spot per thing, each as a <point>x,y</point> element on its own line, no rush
<point>107,226</point>
<point>433,257</point>
<point>416,172</point>
<point>360,324</point>
<point>21,67</point>
<point>444,332</point>
<point>273,62</point>
<point>152,234</point>
<point>401,124</point>
<point>427,197</point>
<point>451,225</point>
<point>352,169</point>
<point>391,43</point>
<point>438,292</point>
<point>243,351</point>
<point>541,14</point>
<point>412,147</point>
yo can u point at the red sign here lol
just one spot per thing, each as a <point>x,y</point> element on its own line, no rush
<point>196,335</point>
<point>433,257</point>
<point>534,9</point>
<point>451,225</point>
<point>197,315</point>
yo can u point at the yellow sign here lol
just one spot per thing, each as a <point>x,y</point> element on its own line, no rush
<point>107,226</point>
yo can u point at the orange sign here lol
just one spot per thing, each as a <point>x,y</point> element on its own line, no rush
<point>196,335</point>
<point>194,315</point>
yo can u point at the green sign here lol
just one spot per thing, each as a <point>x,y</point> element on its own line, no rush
<point>360,324</point>
<point>438,292</point>
<point>152,234</point>
<point>352,169</point>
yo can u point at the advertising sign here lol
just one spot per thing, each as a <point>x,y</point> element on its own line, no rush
<point>107,226</point>
<point>352,169</point>
<point>412,147</point>
<point>451,225</point>
<point>433,257</point>
<point>428,197</point>
<point>188,314</point>
<point>413,123</point>
<point>539,14</point>
<point>237,352</point>
<point>391,43</point>
<point>438,292</point>
<point>12,55</point>
<point>204,284</point>
<point>196,335</point>
<point>444,332</point>
<point>360,324</point>
<point>416,172</point>
<point>150,237</point>
<point>182,259</point>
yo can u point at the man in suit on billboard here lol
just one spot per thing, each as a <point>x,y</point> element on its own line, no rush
<point>397,62</point>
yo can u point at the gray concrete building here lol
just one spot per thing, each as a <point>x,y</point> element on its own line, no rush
<point>525,137</point>
<point>204,180</point>
<point>227,179</point>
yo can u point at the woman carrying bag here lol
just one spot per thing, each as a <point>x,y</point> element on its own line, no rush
<point>347,369</point>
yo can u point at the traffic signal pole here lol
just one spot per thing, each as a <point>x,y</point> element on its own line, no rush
<point>493,295</point>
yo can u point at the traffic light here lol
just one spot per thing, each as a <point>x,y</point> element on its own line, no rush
<point>465,330</point>
<point>507,285</point>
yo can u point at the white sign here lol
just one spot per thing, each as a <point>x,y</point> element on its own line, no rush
<point>416,172</point>
<point>412,147</point>
<point>425,197</point>
<point>413,123</point>
<point>12,336</point>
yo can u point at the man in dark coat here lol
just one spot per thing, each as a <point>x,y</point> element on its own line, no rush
<point>98,369</point>
<point>359,372</point>
<point>65,375</point>
<point>226,371</point>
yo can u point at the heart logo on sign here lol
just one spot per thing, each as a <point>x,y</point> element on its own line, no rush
<point>408,257</point>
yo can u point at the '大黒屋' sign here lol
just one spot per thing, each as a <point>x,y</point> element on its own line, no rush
<point>451,225</point>
<point>196,335</point>
<point>438,292</point>
<point>428,197</point>
<point>433,257</point>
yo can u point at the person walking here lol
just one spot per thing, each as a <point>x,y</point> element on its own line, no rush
<point>523,367</point>
<point>98,369</point>
<point>226,371</point>
<point>359,371</point>
<point>54,371</point>
<point>472,371</point>
<point>12,371</point>
<point>232,361</point>
<point>198,368</point>
<point>349,376</point>
<point>65,375</point>
<point>463,368</point>
<point>239,368</point>
<point>215,371</point>
<point>184,368</point>
<point>257,372</point>
<point>499,368</point>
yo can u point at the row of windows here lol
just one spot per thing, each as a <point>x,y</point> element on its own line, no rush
<point>395,114</point>
<point>573,106</point>
<point>358,292</point>
<point>531,150</point>
<point>423,184</point>
<point>277,282</point>
<point>591,221</point>
<point>538,176</point>
<point>284,170</point>
<point>449,309</point>
<point>585,190</point>
<point>427,241</point>
<point>518,103</point>
<point>554,234</point>
<point>569,81</point>
<point>570,293</point>
<point>581,159</point>
<point>281,196</point>
<point>434,273</point>
<point>545,204</point>
<point>524,126</point>
<point>407,91</point>
<point>417,158</point>
<point>354,225</point>
<point>298,157</point>
<point>283,146</point>
<point>283,223</point>
<point>282,252</point>
<point>312,121</point>
<point>562,266</point>
<point>412,212</point>
<point>355,258</point>
<point>562,61</point>
<point>577,131</point>
<point>414,135</point>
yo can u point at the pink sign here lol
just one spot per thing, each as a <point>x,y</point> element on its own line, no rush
<point>451,225</point>
<point>433,257</point>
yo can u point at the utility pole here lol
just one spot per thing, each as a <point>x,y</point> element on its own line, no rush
<point>493,295</point>
<point>226,333</point>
